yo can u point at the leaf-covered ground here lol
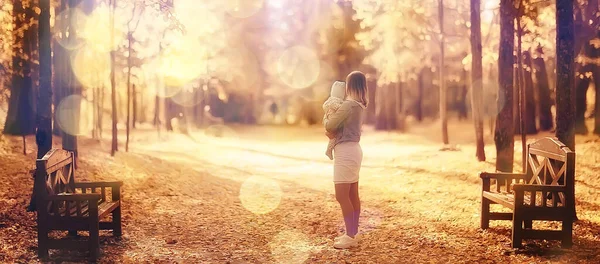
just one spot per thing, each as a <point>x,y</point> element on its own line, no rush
<point>265,195</point>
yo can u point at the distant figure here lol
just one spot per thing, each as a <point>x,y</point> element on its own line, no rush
<point>345,126</point>
<point>333,103</point>
<point>274,109</point>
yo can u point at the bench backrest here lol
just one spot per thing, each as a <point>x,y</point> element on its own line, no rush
<point>54,174</point>
<point>550,162</point>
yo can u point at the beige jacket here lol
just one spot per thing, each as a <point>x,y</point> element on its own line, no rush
<point>346,122</point>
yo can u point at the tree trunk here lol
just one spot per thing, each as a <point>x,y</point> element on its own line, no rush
<point>156,119</point>
<point>530,112</point>
<point>543,87</point>
<point>581,88</point>
<point>461,103</point>
<point>521,90</point>
<point>113,95</point>
<point>565,76</point>
<point>43,134</point>
<point>128,104</point>
<point>59,61</point>
<point>390,101</point>
<point>419,103</point>
<point>101,111</point>
<point>565,79</point>
<point>597,102</point>
<point>503,136</point>
<point>477,78</point>
<point>443,96</point>
<point>399,116</point>
<point>134,106</point>
<point>381,108</point>
<point>20,119</point>
<point>372,89</point>
<point>71,87</point>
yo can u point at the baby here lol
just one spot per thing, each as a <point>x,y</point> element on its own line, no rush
<point>333,103</point>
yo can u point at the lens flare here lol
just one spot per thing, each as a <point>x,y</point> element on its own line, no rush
<point>492,99</point>
<point>190,95</point>
<point>260,195</point>
<point>188,12</point>
<point>97,30</point>
<point>291,246</point>
<point>72,115</point>
<point>298,67</point>
<point>91,67</point>
<point>370,220</point>
<point>182,63</point>
<point>68,28</point>
<point>243,8</point>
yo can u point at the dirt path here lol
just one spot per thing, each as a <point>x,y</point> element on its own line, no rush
<point>263,195</point>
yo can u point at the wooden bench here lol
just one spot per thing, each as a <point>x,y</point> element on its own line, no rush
<point>63,204</point>
<point>545,192</point>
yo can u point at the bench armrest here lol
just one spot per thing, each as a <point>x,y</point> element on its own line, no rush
<point>538,188</point>
<point>501,175</point>
<point>75,197</point>
<point>98,184</point>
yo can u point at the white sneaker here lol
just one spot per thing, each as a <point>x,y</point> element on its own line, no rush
<point>357,237</point>
<point>345,242</point>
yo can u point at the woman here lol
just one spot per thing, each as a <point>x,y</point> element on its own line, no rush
<point>345,126</point>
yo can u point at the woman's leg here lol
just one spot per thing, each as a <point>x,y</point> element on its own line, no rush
<point>355,200</point>
<point>342,195</point>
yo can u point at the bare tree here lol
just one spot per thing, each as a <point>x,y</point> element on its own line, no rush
<point>20,119</point>
<point>113,96</point>
<point>443,95</point>
<point>565,73</point>
<point>477,77</point>
<point>503,135</point>
<point>543,87</point>
<point>129,66</point>
<point>44,110</point>
<point>565,76</point>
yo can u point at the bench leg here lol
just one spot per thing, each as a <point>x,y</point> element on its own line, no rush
<point>42,242</point>
<point>116,216</point>
<point>517,230</point>
<point>485,213</point>
<point>94,239</point>
<point>567,229</point>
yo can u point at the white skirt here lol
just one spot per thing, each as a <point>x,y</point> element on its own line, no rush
<point>346,163</point>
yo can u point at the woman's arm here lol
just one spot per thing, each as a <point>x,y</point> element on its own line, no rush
<point>335,120</point>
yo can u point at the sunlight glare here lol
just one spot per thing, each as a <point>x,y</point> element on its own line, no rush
<point>97,30</point>
<point>370,220</point>
<point>291,246</point>
<point>243,8</point>
<point>487,14</point>
<point>189,95</point>
<point>298,67</point>
<point>62,32</point>
<point>260,195</point>
<point>91,67</point>
<point>71,109</point>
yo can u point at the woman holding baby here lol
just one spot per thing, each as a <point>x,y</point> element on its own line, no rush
<point>344,113</point>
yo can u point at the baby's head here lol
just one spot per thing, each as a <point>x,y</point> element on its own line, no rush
<point>338,89</point>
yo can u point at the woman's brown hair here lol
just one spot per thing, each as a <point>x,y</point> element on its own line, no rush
<point>356,85</point>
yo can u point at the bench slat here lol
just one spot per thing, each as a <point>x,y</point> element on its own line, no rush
<point>501,216</point>
<point>500,198</point>
<point>506,199</point>
<point>106,208</point>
